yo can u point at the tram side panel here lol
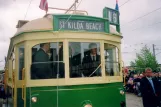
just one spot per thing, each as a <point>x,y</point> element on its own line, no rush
<point>68,96</point>
<point>20,101</point>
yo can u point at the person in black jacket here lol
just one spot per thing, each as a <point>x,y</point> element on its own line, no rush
<point>41,68</point>
<point>159,79</point>
<point>91,61</point>
<point>149,89</point>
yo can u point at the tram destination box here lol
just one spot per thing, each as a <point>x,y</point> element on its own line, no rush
<point>80,23</point>
<point>113,17</point>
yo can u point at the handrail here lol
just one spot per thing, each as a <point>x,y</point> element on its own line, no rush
<point>13,82</point>
<point>23,84</point>
<point>67,9</point>
<point>5,79</point>
<point>123,72</point>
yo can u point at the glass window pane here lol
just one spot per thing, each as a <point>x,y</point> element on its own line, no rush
<point>21,60</point>
<point>84,59</point>
<point>47,61</point>
<point>111,60</point>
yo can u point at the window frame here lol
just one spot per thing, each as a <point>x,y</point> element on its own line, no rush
<point>101,56</point>
<point>67,80</point>
<point>117,45</point>
<point>34,43</point>
<point>18,61</point>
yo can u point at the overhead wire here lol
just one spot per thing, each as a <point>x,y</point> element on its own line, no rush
<point>124,3</point>
<point>27,9</point>
<point>147,26</point>
<point>140,17</point>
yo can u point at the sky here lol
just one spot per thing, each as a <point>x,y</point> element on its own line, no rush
<point>136,34</point>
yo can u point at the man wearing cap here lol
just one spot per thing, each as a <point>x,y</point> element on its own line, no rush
<point>91,62</point>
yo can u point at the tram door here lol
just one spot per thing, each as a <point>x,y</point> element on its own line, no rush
<point>21,77</point>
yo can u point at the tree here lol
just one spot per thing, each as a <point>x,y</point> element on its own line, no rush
<point>132,63</point>
<point>145,59</point>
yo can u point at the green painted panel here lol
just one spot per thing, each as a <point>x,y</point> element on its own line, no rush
<point>113,17</point>
<point>104,95</point>
<point>20,101</point>
<point>80,23</point>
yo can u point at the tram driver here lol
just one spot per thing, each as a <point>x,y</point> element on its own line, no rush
<point>41,68</point>
<point>91,62</point>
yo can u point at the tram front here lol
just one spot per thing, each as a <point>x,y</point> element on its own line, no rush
<point>76,63</point>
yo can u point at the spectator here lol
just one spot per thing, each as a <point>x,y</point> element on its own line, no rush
<point>149,89</point>
<point>159,79</point>
<point>137,81</point>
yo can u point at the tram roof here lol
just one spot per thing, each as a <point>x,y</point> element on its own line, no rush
<point>46,23</point>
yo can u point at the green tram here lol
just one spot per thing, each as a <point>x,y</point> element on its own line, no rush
<point>64,60</point>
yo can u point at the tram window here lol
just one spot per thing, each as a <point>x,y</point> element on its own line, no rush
<point>21,61</point>
<point>84,59</point>
<point>111,60</point>
<point>47,61</point>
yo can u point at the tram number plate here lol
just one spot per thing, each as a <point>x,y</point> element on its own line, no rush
<point>81,25</point>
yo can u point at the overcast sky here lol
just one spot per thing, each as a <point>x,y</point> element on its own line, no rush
<point>135,34</point>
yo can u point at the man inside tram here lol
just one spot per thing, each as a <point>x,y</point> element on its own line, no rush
<point>91,62</point>
<point>41,68</point>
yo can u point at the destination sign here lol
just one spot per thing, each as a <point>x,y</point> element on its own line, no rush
<point>81,25</point>
<point>112,15</point>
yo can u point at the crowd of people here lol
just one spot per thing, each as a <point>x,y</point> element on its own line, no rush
<point>146,85</point>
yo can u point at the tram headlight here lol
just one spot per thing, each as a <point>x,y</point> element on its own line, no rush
<point>34,99</point>
<point>122,92</point>
<point>88,105</point>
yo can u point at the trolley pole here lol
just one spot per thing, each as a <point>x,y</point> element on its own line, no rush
<point>73,5</point>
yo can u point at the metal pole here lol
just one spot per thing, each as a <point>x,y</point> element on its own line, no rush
<point>75,6</point>
<point>67,9</point>
<point>154,50</point>
<point>123,72</point>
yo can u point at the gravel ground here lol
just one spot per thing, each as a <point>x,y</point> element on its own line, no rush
<point>133,101</point>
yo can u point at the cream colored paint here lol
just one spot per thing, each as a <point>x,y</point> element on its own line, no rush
<point>37,24</point>
<point>33,39</point>
<point>73,81</point>
<point>67,35</point>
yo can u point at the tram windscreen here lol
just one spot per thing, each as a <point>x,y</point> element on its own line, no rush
<point>47,61</point>
<point>112,67</point>
<point>84,59</point>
